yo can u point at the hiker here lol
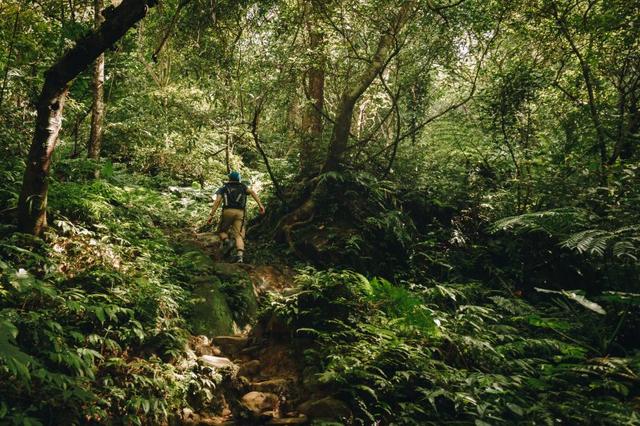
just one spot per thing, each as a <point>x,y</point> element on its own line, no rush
<point>233,197</point>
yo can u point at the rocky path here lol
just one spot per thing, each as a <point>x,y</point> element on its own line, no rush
<point>266,382</point>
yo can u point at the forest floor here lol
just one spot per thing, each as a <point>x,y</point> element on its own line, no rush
<point>270,382</point>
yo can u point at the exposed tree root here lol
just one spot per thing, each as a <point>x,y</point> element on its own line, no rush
<point>297,218</point>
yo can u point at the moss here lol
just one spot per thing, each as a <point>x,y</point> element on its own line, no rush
<point>239,291</point>
<point>223,295</point>
<point>196,261</point>
<point>210,314</point>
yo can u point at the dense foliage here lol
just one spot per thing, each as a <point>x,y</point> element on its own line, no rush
<point>427,354</point>
<point>92,314</point>
<point>458,184</point>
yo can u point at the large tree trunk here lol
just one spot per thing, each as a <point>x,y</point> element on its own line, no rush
<point>384,52</point>
<point>312,118</point>
<point>385,49</point>
<point>32,203</point>
<point>97,112</point>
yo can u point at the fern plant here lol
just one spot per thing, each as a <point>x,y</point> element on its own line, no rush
<point>623,242</point>
<point>455,353</point>
<point>556,222</point>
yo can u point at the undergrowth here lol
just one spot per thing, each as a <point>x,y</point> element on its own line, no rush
<point>458,353</point>
<point>92,317</point>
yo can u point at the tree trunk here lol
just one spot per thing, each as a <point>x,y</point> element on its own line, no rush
<point>312,118</point>
<point>97,112</point>
<point>590,85</point>
<point>626,142</point>
<point>32,203</point>
<point>630,138</point>
<point>9,54</point>
<point>342,126</point>
<point>340,134</point>
<point>306,206</point>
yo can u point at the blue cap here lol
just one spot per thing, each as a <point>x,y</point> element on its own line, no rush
<point>234,176</point>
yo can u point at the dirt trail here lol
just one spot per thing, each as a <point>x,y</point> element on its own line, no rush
<point>264,383</point>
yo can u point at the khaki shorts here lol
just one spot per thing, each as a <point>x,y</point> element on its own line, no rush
<point>232,221</point>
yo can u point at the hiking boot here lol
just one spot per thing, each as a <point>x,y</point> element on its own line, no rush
<point>239,259</point>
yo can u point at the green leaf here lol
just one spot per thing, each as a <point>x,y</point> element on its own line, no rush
<point>16,361</point>
<point>367,390</point>
<point>515,408</point>
<point>552,323</point>
<point>100,314</point>
<point>107,169</point>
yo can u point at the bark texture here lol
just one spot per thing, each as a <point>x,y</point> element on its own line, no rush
<point>385,50</point>
<point>32,203</point>
<point>97,111</point>
<point>312,118</point>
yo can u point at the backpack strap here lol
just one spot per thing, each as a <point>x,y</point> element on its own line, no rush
<point>225,195</point>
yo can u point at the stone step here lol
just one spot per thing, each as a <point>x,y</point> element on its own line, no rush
<point>249,368</point>
<point>259,402</point>
<point>202,346</point>
<point>230,345</point>
<point>216,422</point>
<point>275,385</point>
<point>190,418</point>
<point>217,361</point>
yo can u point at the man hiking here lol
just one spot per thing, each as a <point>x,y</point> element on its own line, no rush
<point>233,197</point>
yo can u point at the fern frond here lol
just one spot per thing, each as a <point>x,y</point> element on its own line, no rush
<point>622,242</point>
<point>553,222</point>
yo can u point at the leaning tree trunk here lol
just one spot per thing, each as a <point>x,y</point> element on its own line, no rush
<point>97,111</point>
<point>382,55</point>
<point>32,203</point>
<point>385,50</point>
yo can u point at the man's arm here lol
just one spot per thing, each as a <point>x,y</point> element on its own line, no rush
<point>216,204</point>
<point>255,197</point>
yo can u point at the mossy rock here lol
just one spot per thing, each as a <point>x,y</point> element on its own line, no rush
<point>210,314</point>
<point>195,260</point>
<point>223,301</point>
<point>240,294</point>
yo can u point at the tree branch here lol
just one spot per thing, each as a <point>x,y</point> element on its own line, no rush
<point>256,140</point>
<point>415,129</point>
<point>169,30</point>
